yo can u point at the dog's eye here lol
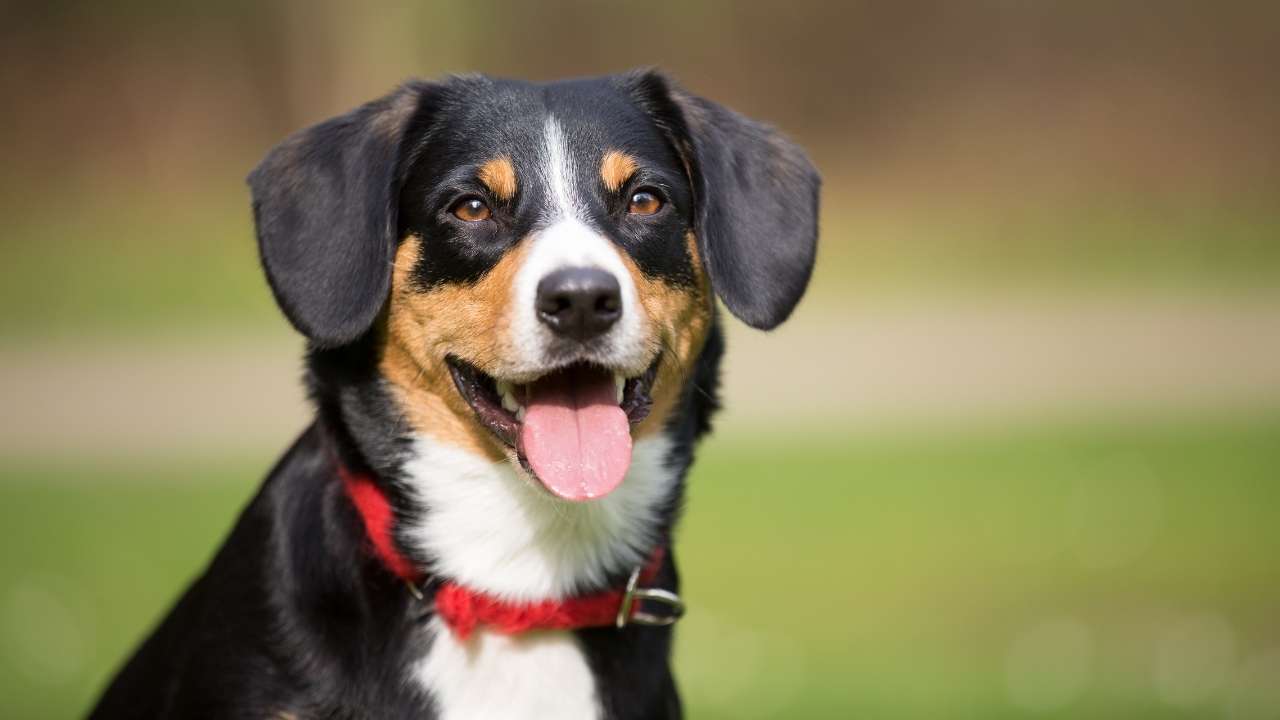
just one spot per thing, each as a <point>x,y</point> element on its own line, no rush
<point>471,209</point>
<point>644,202</point>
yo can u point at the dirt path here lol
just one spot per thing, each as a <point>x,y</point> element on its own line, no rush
<point>972,361</point>
<point>872,367</point>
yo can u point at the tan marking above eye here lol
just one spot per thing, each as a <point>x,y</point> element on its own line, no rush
<point>644,202</point>
<point>616,168</point>
<point>499,175</point>
<point>471,209</point>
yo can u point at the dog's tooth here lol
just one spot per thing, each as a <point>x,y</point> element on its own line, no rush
<point>507,395</point>
<point>619,384</point>
<point>520,413</point>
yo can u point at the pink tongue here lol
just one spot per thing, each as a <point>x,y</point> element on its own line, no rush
<point>575,436</point>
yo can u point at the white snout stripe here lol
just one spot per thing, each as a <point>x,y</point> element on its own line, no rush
<point>567,241</point>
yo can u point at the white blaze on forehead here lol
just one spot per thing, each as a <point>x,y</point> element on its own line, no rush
<point>568,241</point>
<point>559,173</point>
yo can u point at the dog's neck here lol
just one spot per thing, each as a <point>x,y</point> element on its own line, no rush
<point>479,522</point>
<point>489,528</point>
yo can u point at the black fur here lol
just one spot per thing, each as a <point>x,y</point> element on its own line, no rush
<point>293,615</point>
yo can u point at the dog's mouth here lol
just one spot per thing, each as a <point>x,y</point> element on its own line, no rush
<point>570,428</point>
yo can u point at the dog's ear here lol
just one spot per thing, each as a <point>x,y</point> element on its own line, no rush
<point>755,200</point>
<point>325,203</point>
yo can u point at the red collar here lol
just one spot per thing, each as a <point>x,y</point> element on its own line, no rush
<point>464,609</point>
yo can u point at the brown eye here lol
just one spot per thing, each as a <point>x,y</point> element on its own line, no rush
<point>644,202</point>
<point>471,209</point>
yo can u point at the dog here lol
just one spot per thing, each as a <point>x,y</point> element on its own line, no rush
<point>509,295</point>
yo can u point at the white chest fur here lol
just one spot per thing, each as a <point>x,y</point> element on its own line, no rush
<point>490,676</point>
<point>490,529</point>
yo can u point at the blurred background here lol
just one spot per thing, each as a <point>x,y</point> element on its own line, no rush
<point>1016,455</point>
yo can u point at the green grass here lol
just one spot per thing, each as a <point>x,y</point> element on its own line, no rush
<point>878,577</point>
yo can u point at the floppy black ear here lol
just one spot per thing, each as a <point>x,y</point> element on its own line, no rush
<point>755,196</point>
<point>325,203</point>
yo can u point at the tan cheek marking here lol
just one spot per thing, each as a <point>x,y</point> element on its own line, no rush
<point>678,320</point>
<point>616,168</point>
<point>499,175</point>
<point>470,321</point>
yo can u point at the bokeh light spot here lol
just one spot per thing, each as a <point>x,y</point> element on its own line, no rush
<point>1254,693</point>
<point>1193,658</point>
<point>1050,665</point>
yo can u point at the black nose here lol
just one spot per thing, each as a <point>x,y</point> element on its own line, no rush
<point>581,303</point>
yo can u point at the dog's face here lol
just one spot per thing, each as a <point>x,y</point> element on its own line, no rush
<point>536,264</point>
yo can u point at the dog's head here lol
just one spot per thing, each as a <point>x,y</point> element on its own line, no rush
<point>536,264</point>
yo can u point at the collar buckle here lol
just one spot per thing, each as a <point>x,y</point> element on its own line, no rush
<point>633,595</point>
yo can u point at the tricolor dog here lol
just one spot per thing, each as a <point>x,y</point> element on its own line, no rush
<point>509,296</point>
